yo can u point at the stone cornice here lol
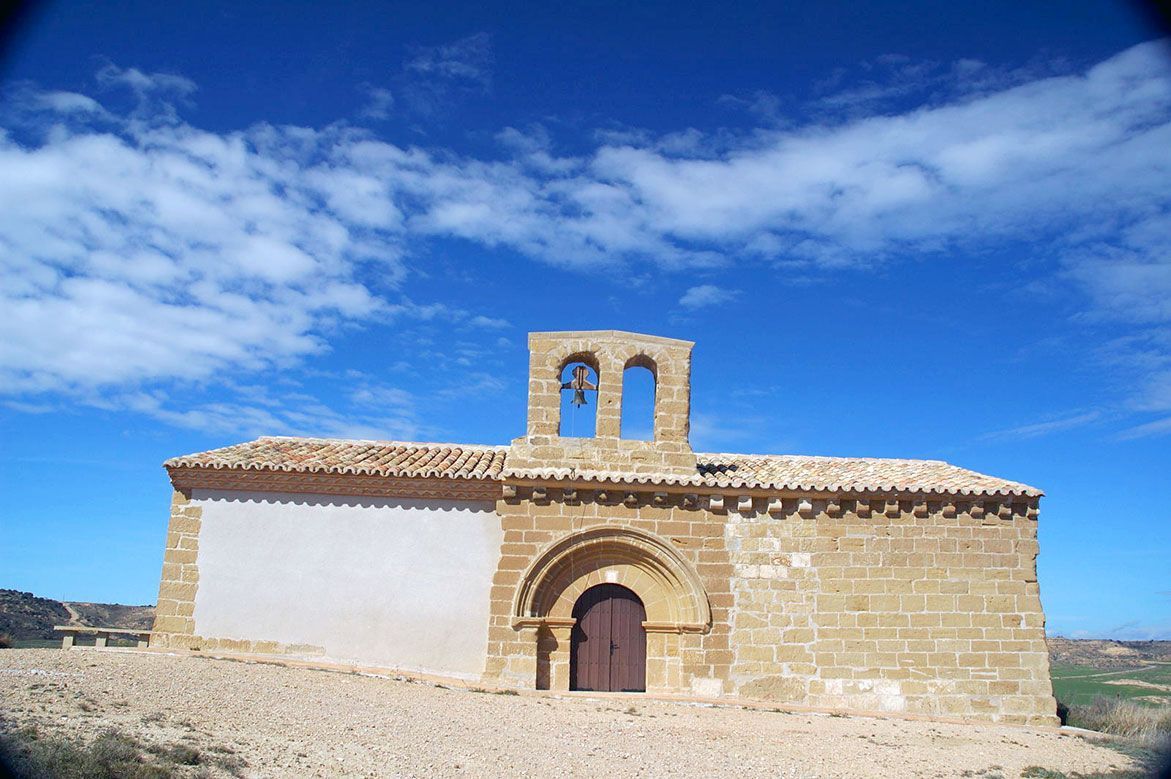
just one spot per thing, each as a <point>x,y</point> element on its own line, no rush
<point>778,503</point>
<point>731,495</point>
<point>360,485</point>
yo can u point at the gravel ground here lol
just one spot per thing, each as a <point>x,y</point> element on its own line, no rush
<point>299,722</point>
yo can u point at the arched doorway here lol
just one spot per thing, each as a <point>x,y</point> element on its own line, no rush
<point>672,594</point>
<point>608,643</point>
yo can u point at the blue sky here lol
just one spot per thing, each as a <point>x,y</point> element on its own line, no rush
<point>933,230</point>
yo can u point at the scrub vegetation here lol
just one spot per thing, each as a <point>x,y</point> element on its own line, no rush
<point>1145,725</point>
<point>29,754</point>
<point>1118,687</point>
<point>1133,703</point>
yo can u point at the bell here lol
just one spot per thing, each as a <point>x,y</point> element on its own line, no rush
<point>579,385</point>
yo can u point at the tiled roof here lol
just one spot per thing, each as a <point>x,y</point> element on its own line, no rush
<point>806,474</point>
<point>858,474</point>
<point>371,458</point>
<point>723,471</point>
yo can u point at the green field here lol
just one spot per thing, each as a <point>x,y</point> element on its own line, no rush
<point>1079,684</point>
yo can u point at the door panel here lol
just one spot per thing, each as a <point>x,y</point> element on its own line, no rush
<point>608,645</point>
<point>592,642</point>
<point>628,645</point>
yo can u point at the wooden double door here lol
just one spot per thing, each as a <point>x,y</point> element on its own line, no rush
<point>608,643</point>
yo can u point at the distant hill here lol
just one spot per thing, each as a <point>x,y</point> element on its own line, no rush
<point>114,615</point>
<point>1106,653</point>
<point>25,617</point>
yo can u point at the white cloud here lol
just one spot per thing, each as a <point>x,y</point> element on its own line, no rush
<point>161,251</point>
<point>1156,428</point>
<point>467,59</point>
<point>706,295</point>
<point>1040,158</point>
<point>140,247</point>
<point>382,396</point>
<point>764,106</point>
<point>1128,273</point>
<point>145,83</point>
<point>435,77</point>
<point>69,102</point>
<point>474,383</point>
<point>379,102</point>
<point>1141,630</point>
<point>724,432</point>
<point>376,413</point>
<point>1047,427</point>
<point>489,323</point>
<point>533,148</point>
<point>1156,395</point>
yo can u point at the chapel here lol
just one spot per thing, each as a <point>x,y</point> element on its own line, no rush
<point>608,563</point>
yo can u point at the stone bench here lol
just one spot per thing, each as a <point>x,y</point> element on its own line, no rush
<point>101,635</point>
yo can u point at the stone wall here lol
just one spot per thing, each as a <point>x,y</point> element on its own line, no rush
<point>899,603</point>
<point>679,656</point>
<point>913,606</point>
<point>610,353</point>
<point>175,612</point>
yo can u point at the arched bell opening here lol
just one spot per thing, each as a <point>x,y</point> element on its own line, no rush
<point>578,405</point>
<point>639,379</point>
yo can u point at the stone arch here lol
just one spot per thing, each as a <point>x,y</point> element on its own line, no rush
<point>589,357</point>
<point>639,362</point>
<point>651,567</point>
<point>643,360</point>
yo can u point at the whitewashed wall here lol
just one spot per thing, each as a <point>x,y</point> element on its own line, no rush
<point>394,582</point>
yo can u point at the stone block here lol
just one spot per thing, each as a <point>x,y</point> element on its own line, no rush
<point>184,524</point>
<point>177,591</point>
<point>171,624</point>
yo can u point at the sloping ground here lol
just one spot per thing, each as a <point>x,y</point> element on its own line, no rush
<point>114,615</point>
<point>296,722</point>
<point>1102,653</point>
<point>25,617</point>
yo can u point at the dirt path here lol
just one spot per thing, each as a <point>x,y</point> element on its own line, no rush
<point>74,617</point>
<point>298,722</point>
<point>1138,669</point>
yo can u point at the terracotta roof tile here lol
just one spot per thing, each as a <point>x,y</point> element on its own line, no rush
<point>723,471</point>
<point>373,458</point>
<point>859,474</point>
